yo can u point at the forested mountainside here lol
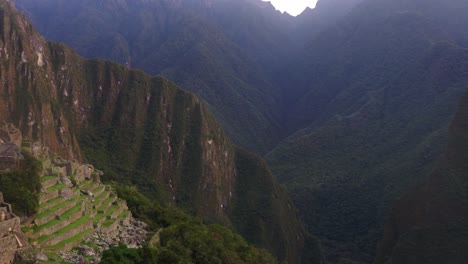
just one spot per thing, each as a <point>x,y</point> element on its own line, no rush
<point>179,40</point>
<point>312,22</point>
<point>375,95</point>
<point>140,130</point>
<point>234,61</point>
<point>430,224</point>
<point>361,93</point>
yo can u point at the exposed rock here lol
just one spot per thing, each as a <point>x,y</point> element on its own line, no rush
<point>73,257</point>
<point>86,251</point>
<point>133,235</point>
<point>86,192</point>
<point>67,194</point>
<point>67,182</point>
<point>41,257</point>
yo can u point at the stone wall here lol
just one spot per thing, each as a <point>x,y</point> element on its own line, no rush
<point>84,172</point>
<point>8,247</point>
<point>112,230</point>
<point>13,223</point>
<point>50,183</point>
<point>60,225</point>
<point>44,197</point>
<point>51,216</point>
<point>59,238</point>
<point>11,237</point>
<point>7,163</point>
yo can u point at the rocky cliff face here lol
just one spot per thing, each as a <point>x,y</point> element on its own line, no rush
<point>185,42</point>
<point>29,91</point>
<point>141,130</point>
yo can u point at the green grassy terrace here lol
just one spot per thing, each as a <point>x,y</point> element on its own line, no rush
<point>69,227</point>
<point>63,217</point>
<point>72,239</point>
<point>54,208</point>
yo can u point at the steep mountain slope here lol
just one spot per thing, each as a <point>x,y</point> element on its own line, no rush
<point>141,130</point>
<point>326,13</point>
<point>430,224</point>
<point>367,101</point>
<point>374,97</point>
<point>198,44</point>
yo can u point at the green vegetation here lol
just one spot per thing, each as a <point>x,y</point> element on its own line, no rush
<point>64,216</point>
<point>21,188</point>
<point>246,106</point>
<point>56,187</point>
<point>72,239</point>
<point>431,220</point>
<point>107,209</point>
<point>47,178</point>
<point>144,131</point>
<point>54,208</point>
<point>182,239</point>
<point>51,202</point>
<point>67,228</point>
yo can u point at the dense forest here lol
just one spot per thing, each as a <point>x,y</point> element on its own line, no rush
<point>347,112</point>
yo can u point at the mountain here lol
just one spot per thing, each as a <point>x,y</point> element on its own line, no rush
<point>141,130</point>
<point>371,104</point>
<point>325,14</point>
<point>198,44</point>
<point>233,54</point>
<point>429,224</point>
<point>360,93</point>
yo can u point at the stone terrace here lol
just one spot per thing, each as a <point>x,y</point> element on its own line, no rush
<point>74,205</point>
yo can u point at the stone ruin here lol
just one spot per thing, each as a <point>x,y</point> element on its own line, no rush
<point>10,134</point>
<point>11,237</point>
<point>39,151</point>
<point>10,147</point>
<point>10,156</point>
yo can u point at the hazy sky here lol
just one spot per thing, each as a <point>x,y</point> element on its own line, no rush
<point>293,7</point>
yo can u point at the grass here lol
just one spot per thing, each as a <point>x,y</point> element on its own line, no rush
<point>106,203</point>
<point>86,185</point>
<point>112,209</point>
<point>123,215</point>
<point>99,197</point>
<point>69,227</point>
<point>108,222</point>
<point>48,178</point>
<point>105,214</point>
<point>25,229</point>
<point>54,208</point>
<point>97,189</point>
<point>52,201</point>
<point>56,187</point>
<point>70,240</point>
<point>64,216</point>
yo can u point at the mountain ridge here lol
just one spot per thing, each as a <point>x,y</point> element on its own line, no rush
<point>141,130</point>
<point>358,101</point>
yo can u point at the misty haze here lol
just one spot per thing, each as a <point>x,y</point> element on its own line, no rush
<point>234,131</point>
